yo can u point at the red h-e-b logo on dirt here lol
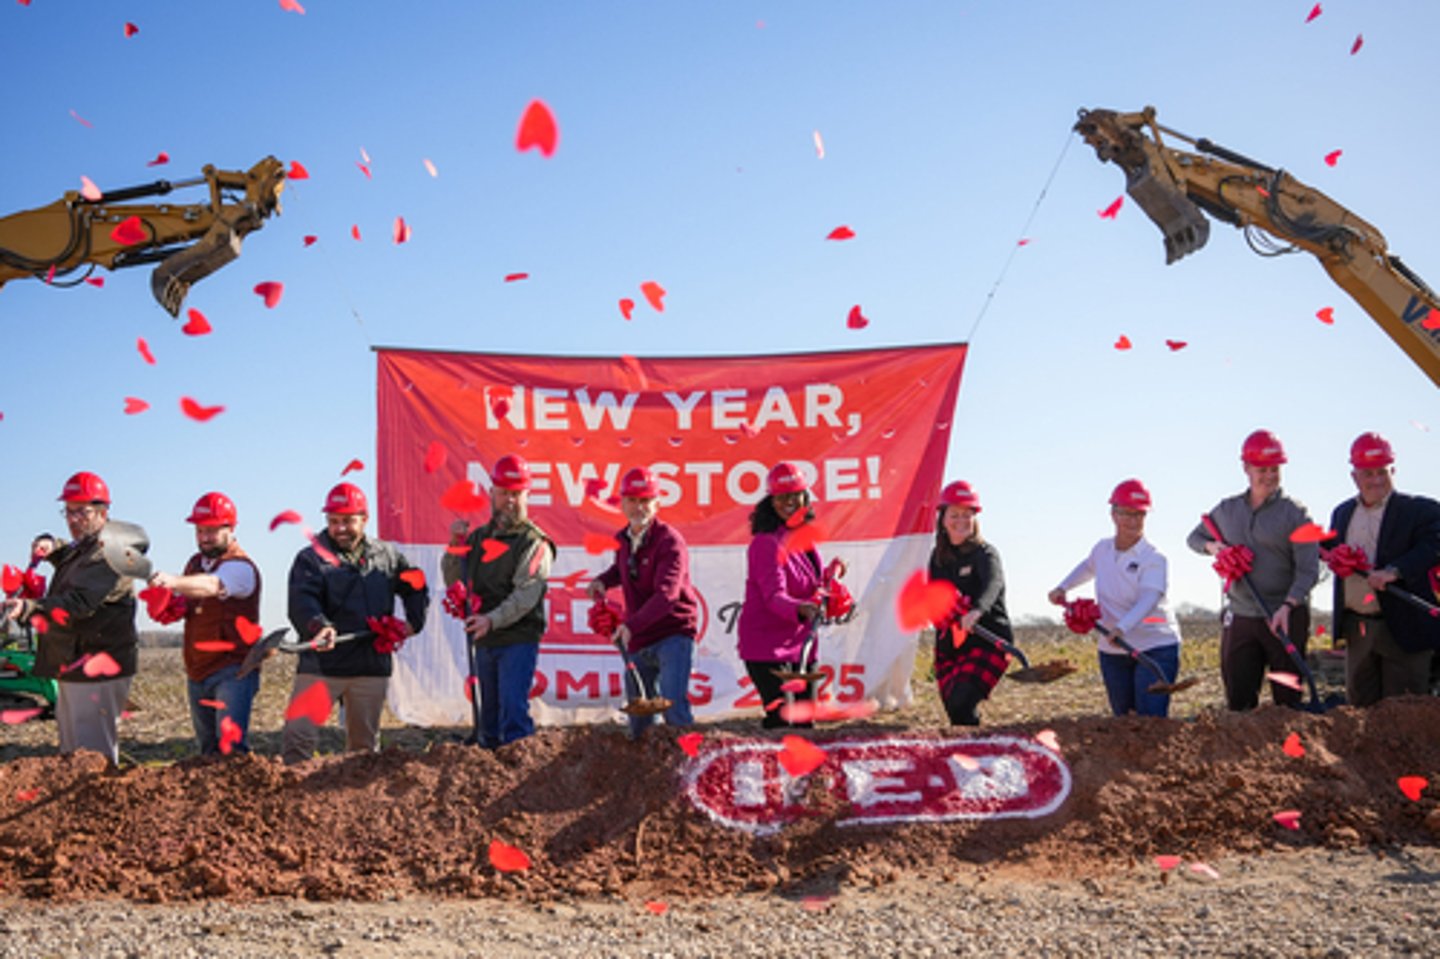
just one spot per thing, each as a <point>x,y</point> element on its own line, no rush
<point>743,785</point>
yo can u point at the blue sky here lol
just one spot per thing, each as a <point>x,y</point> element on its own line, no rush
<point>687,157</point>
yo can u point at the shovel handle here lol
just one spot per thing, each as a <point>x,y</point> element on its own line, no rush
<point>1134,653</point>
<point>989,637</point>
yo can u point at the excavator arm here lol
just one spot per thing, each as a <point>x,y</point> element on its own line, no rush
<point>1177,187</point>
<point>188,242</point>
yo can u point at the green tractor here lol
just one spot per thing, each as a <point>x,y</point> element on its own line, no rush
<point>19,687</point>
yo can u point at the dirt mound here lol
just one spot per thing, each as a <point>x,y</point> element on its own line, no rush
<point>598,814</point>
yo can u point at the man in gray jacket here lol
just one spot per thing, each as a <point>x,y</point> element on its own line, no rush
<point>1283,573</point>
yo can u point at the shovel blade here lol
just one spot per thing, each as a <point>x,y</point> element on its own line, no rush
<point>1164,689</point>
<point>261,651</point>
<point>646,707</point>
<point>1043,673</point>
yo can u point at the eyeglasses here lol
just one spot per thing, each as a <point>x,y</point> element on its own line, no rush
<point>79,512</point>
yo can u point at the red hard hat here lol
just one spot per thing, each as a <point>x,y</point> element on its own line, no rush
<point>1262,448</point>
<point>85,488</point>
<point>1371,451</point>
<point>786,478</point>
<point>640,483</point>
<point>1131,494</point>
<point>213,509</point>
<point>959,493</point>
<point>511,472</point>
<point>346,499</point>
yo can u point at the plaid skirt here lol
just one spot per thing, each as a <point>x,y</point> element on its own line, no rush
<point>973,661</point>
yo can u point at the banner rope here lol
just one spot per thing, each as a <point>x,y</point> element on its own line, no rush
<point>1024,231</point>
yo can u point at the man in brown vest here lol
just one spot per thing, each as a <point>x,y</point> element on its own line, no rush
<point>220,584</point>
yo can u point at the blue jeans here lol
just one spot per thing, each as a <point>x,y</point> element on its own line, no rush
<point>504,676</point>
<point>667,661</point>
<point>236,694</point>
<point>1127,681</point>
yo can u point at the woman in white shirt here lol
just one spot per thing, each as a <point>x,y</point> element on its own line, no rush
<point>1130,577</point>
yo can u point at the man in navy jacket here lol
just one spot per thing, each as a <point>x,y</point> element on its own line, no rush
<point>1389,642</point>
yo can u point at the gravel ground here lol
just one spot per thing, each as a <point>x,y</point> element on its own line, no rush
<point>1304,903</point>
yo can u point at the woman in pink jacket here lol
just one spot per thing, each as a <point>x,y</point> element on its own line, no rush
<point>781,591</point>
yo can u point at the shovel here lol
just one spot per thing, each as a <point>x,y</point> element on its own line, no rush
<point>124,546</point>
<point>1303,667</point>
<point>1046,672</point>
<point>276,642</point>
<point>1162,685</point>
<point>645,705</point>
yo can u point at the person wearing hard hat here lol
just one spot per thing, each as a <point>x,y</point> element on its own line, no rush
<point>86,624</point>
<point>966,672</point>
<point>342,587</point>
<point>1272,596</point>
<point>220,584</point>
<point>1392,540</point>
<point>504,636</point>
<point>662,609</point>
<point>1131,579</point>
<point>784,582</point>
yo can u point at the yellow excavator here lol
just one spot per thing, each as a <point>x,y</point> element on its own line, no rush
<point>188,242</point>
<point>1278,213</point>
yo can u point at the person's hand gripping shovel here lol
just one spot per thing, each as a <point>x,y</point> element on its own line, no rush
<point>1083,616</point>
<point>605,621</point>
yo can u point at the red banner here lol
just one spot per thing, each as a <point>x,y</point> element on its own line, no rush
<point>863,424</point>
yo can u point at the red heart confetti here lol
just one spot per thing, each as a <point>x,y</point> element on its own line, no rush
<point>514,277</point>
<point>819,146</point>
<point>435,455</point>
<point>537,130</point>
<point>1293,746</point>
<point>310,239</point>
<point>597,544</point>
<point>249,632</point>
<point>1311,533</point>
<point>230,735</point>
<point>161,159</point>
<point>60,616</point>
<point>14,717</point>
<point>211,704</point>
<point>492,549</point>
<point>1123,343</point>
<point>1113,210</point>
<point>923,601</point>
<point>470,683</point>
<point>1288,680</point>
<point>214,646</point>
<point>793,686</point>
<point>1023,241</point>
<point>654,295</point>
<point>297,171</point>
<point>856,320</point>
<point>1333,157</point>
<point>352,466</point>
<point>1326,315</point>
<point>27,795</point>
<point>1167,863</point>
<point>689,743</point>
<point>841,233</point>
<point>81,120</point>
<point>1204,869</point>
<point>401,231</point>
<point>1412,786</point>
<point>134,404</point>
<point>1315,11</point>
<point>657,907</point>
<point>414,578</point>
<point>312,704</point>
<point>129,231</point>
<point>1048,739</point>
<point>1431,321</point>
<point>430,167</point>
<point>199,413</point>
<point>101,664</point>
<point>96,281</point>
<point>1359,42</point>
<point>800,757</point>
<point>270,292</point>
<point>292,6</point>
<point>627,307</point>
<point>1176,345</point>
<point>131,29</point>
<point>196,325</point>
<point>1289,818</point>
<point>355,231</point>
<point>462,498</point>
<point>288,516</point>
<point>815,903</point>
<point>506,857</point>
<point>365,170</point>
<point>89,190</point>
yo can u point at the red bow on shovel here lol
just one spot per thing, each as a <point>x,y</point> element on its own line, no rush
<point>1346,560</point>
<point>1083,616</point>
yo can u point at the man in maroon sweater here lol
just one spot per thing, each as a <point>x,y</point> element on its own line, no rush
<point>662,609</point>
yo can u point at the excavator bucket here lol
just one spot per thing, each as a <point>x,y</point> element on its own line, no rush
<point>172,278</point>
<point>1185,227</point>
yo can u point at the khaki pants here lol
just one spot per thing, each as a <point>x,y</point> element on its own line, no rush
<point>1376,666</point>
<point>363,699</point>
<point>88,715</point>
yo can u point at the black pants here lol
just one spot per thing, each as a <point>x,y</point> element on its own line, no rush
<point>962,700</point>
<point>1248,648</point>
<point>767,684</point>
